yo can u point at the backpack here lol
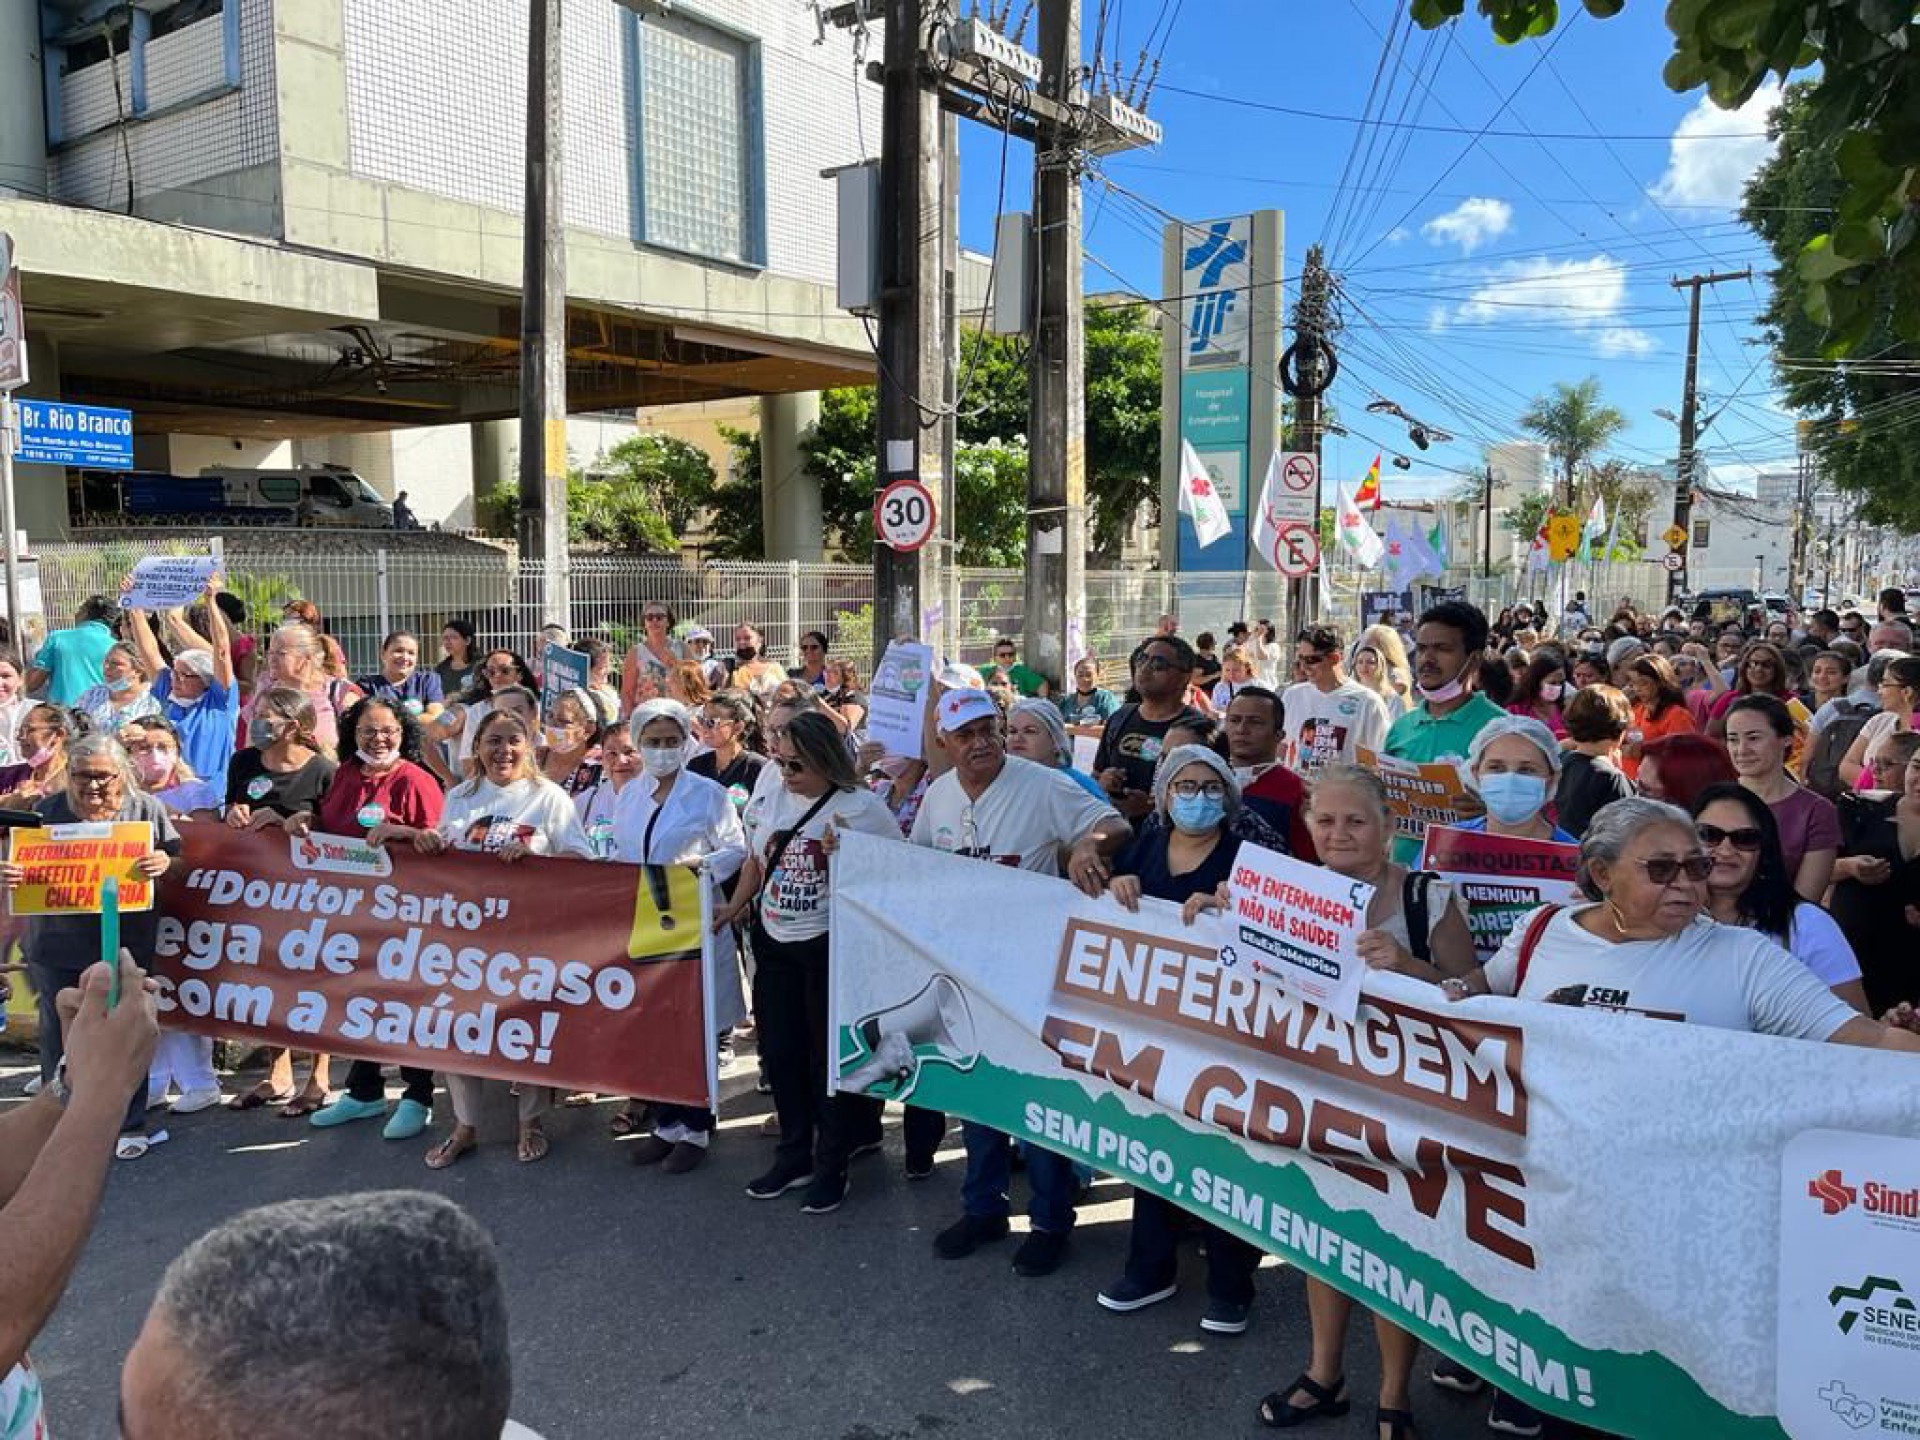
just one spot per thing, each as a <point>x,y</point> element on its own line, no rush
<point>1413,905</point>
<point>1830,748</point>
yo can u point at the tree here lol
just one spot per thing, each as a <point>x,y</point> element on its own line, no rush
<point>642,495</point>
<point>1865,105</point>
<point>1575,425</point>
<point>1854,433</point>
<point>735,522</point>
<point>1123,423</point>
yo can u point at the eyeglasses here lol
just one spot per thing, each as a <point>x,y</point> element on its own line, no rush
<point>1312,657</point>
<point>790,767</point>
<point>654,615</point>
<point>1192,789</point>
<point>1666,869</point>
<point>809,645</point>
<point>1747,837</point>
<point>386,733</point>
<point>91,781</point>
<point>501,669</point>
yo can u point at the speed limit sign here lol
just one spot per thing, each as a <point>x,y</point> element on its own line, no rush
<point>903,515</point>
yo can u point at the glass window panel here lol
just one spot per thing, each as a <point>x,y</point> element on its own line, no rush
<point>694,107</point>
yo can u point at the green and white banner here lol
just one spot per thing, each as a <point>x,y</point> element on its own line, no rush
<point>1592,1210</point>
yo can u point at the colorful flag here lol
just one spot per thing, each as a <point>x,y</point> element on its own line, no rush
<point>1354,531</point>
<point>1595,527</point>
<point>1368,497</point>
<point>1437,545</point>
<point>1538,556</point>
<point>1200,499</point>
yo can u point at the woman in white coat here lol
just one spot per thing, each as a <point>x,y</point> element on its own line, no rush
<point>670,816</point>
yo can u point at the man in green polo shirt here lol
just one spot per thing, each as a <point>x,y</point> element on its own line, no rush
<point>1030,683</point>
<point>1447,648</point>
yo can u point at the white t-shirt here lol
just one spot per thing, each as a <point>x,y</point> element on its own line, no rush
<point>795,903</point>
<point>1876,732</point>
<point>1708,974</point>
<point>1817,942</point>
<point>595,807</point>
<point>697,823</point>
<point>1022,819</point>
<point>481,815</point>
<point>1327,728</point>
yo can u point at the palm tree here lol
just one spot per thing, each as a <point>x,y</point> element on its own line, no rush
<point>1574,425</point>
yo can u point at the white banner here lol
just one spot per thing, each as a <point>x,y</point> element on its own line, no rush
<point>1586,1208</point>
<point>166,582</point>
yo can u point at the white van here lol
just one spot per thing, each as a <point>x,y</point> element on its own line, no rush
<point>316,494</point>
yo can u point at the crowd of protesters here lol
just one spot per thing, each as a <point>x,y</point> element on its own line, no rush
<point>1744,790</point>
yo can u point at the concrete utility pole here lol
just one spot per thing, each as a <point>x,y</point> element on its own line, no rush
<point>1054,622</point>
<point>912,363</point>
<point>543,324</point>
<point>1486,527</point>
<point>1310,335</point>
<point>1689,420</point>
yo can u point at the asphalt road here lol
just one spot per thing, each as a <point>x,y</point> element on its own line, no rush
<point>649,1305</point>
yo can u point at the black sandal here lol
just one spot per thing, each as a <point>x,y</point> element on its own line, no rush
<point>1399,1423</point>
<point>1276,1413</point>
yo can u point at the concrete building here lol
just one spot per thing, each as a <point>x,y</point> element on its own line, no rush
<point>286,231</point>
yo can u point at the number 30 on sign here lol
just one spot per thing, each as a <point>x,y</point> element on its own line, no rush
<point>903,515</point>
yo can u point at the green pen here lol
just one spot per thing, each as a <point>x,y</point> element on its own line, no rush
<point>110,937</point>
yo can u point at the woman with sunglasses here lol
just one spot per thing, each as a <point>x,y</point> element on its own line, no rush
<point>1648,945</point>
<point>813,660</point>
<point>1749,886</point>
<point>450,736</point>
<point>643,675</point>
<point>785,891</point>
<point>1876,881</point>
<point>1759,734</point>
<point>1762,671</point>
<point>729,726</point>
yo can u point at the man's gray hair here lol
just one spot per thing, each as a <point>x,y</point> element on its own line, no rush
<point>351,1317</point>
<point>1613,827</point>
<point>100,743</point>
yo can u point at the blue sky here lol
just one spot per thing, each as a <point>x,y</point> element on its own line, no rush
<point>1531,260</point>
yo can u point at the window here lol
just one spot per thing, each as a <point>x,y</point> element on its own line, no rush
<point>698,159</point>
<point>1701,530</point>
<point>280,489</point>
<point>163,57</point>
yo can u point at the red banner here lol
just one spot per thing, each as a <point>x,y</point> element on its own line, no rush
<point>575,973</point>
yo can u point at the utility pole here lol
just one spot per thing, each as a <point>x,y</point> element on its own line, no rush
<point>1310,335</point>
<point>912,363</point>
<point>543,324</point>
<point>1054,620</point>
<point>1798,561</point>
<point>1689,419</point>
<point>1486,527</point>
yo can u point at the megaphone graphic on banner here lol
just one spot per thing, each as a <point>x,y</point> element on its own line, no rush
<point>934,1025</point>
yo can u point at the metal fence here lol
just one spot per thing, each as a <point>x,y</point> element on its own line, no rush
<point>366,590</point>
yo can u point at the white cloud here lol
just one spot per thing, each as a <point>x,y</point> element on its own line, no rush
<point>1714,152</point>
<point>1470,224</point>
<point>1583,297</point>
<point>1399,235</point>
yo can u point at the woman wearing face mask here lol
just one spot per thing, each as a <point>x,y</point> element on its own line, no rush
<point>752,670</point>
<point>1759,734</point>
<point>671,817</point>
<point>1183,860</point>
<point>153,746</point>
<point>1749,886</point>
<point>1035,732</point>
<point>41,745</point>
<point>122,694</point>
<point>401,680</point>
<point>450,735</point>
<point>198,692</point>
<point>508,811</point>
<point>571,755</point>
<point>1514,764</point>
<point>1353,832</point>
<point>1538,692</point>
<point>297,659</point>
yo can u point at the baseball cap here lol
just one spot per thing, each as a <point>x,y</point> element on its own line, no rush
<point>960,708</point>
<point>695,632</point>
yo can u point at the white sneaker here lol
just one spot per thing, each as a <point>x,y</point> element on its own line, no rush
<point>195,1101</point>
<point>32,1087</point>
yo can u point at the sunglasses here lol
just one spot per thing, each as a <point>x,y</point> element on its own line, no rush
<point>1666,869</point>
<point>790,767</point>
<point>1746,838</point>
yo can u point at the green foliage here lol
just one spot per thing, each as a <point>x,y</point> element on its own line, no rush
<point>1526,515</point>
<point>1865,105</point>
<point>990,492</point>
<point>735,522</point>
<point>1877,459</point>
<point>1123,422</point>
<point>642,495</point>
<point>1574,424</point>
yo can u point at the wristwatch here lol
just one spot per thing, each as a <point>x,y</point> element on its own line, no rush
<point>58,1086</point>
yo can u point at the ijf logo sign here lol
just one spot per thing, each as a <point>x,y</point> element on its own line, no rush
<point>1215,271</point>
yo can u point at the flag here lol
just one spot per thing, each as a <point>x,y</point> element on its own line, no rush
<point>1437,546</point>
<point>1368,497</point>
<point>1199,500</point>
<point>1613,534</point>
<point>1266,535</point>
<point>1540,553</point>
<point>1354,531</point>
<point>1595,527</point>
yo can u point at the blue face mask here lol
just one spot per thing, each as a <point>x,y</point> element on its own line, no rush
<point>1196,815</point>
<point>1511,798</point>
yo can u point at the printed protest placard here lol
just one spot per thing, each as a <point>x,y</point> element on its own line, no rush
<point>1422,795</point>
<point>1297,922</point>
<point>1501,878</point>
<point>67,865</point>
<point>1086,748</point>
<point>561,670</point>
<point>165,582</point>
<point>585,975</point>
<point>897,699</point>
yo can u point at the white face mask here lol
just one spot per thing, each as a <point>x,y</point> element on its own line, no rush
<point>661,763</point>
<point>1441,694</point>
<point>376,762</point>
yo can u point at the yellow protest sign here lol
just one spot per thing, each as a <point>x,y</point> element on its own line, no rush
<point>67,865</point>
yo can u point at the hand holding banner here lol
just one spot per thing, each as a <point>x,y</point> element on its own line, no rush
<point>68,865</point>
<point>897,698</point>
<point>1501,878</point>
<point>167,582</point>
<point>1300,922</point>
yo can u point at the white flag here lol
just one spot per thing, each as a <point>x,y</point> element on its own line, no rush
<point>1354,531</point>
<point>1200,499</point>
<point>1266,537</point>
